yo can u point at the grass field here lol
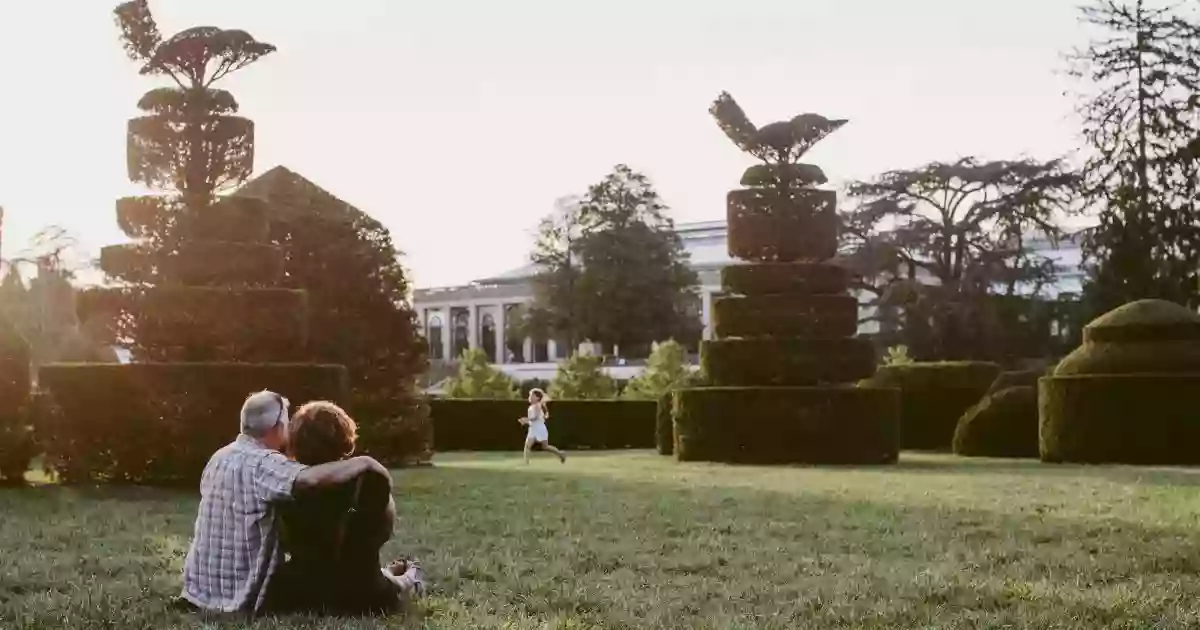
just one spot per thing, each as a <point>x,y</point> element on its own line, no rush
<point>631,540</point>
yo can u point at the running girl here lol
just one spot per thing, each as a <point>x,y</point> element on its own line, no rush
<point>535,418</point>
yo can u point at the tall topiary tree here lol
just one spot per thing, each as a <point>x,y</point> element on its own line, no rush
<point>198,300</point>
<point>785,353</point>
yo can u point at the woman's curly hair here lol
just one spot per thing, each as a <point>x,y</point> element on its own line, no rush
<point>321,432</point>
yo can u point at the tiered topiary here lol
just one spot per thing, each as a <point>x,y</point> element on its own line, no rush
<point>198,302</point>
<point>785,358</point>
<point>1127,395</point>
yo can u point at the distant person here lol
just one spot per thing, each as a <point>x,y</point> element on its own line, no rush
<point>333,534</point>
<point>235,547</point>
<point>535,418</point>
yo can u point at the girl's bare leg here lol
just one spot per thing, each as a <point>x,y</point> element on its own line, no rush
<point>528,447</point>
<point>561,458</point>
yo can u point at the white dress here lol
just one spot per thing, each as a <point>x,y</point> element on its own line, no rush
<point>537,425</point>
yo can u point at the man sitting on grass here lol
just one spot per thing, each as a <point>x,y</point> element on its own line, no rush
<point>235,548</point>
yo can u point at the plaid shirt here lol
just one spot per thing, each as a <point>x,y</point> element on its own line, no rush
<point>235,548</point>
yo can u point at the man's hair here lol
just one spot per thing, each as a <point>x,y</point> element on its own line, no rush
<point>262,411</point>
<point>321,432</point>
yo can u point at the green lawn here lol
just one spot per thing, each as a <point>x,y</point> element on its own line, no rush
<point>631,540</point>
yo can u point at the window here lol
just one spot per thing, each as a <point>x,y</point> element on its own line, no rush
<point>487,336</point>
<point>462,328</point>
<point>434,335</point>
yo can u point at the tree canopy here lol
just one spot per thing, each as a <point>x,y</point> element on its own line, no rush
<point>1139,77</point>
<point>476,378</point>
<point>935,240</point>
<point>612,268</point>
<point>582,378</point>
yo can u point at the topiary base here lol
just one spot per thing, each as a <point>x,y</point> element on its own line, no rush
<point>787,425</point>
<point>1143,419</point>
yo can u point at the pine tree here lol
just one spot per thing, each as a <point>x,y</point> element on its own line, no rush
<point>1139,111</point>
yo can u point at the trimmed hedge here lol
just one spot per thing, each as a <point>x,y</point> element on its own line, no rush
<point>934,396</point>
<point>210,323</point>
<point>1144,321</point>
<point>786,315</point>
<point>1017,378</point>
<point>491,425</point>
<point>158,423</point>
<point>664,427</point>
<point>793,361</point>
<point>1003,424</point>
<point>767,227</point>
<point>778,425</point>
<point>777,278</point>
<point>16,440</point>
<point>1146,357</point>
<point>1142,419</point>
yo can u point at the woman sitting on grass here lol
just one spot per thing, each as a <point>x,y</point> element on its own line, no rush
<point>333,536</point>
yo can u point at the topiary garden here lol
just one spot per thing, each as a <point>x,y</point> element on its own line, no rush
<point>1125,395</point>
<point>933,396</point>
<point>782,366</point>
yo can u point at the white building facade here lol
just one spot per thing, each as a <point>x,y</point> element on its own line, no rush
<point>477,315</point>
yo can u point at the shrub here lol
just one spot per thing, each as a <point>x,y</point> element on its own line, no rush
<point>1003,424</point>
<point>581,378</point>
<point>934,396</point>
<point>531,384</point>
<point>788,361</point>
<point>789,315</point>
<point>1141,419</point>
<point>476,378</point>
<point>897,355</point>
<point>664,425</point>
<point>784,278</point>
<point>16,439</point>
<point>491,425</point>
<point>1017,378</point>
<point>158,423</point>
<point>771,425</point>
<point>665,371</point>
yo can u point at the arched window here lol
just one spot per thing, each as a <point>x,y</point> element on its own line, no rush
<point>487,336</point>
<point>462,326</point>
<point>434,335</point>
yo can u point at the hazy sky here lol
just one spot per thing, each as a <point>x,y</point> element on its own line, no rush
<point>458,123</point>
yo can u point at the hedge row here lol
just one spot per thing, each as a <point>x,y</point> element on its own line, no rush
<point>792,361</point>
<point>491,425</point>
<point>776,425</point>
<point>16,440</point>
<point>786,315</point>
<point>934,396</point>
<point>765,227</point>
<point>1145,419</point>
<point>789,277</point>
<point>1003,424</point>
<point>158,423</point>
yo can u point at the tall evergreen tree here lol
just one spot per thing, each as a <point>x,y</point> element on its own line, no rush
<point>1139,105</point>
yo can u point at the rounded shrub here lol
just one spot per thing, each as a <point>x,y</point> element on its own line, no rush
<point>1003,424</point>
<point>934,396</point>
<point>1016,378</point>
<point>1125,395</point>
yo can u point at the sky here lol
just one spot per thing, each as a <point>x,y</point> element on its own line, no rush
<point>458,123</point>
